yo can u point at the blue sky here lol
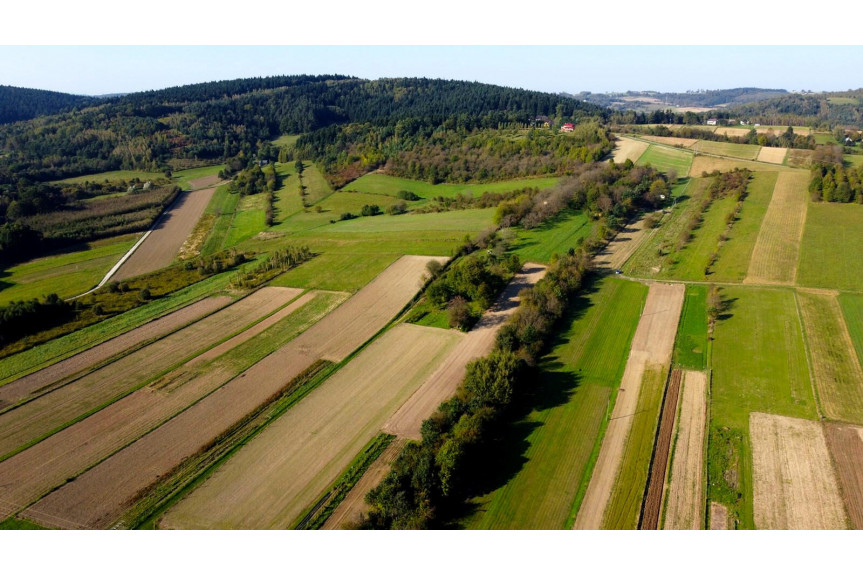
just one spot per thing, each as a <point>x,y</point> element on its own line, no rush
<point>110,69</point>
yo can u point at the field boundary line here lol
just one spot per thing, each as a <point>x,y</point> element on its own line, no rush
<point>809,365</point>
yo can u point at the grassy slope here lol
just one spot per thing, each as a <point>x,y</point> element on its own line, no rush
<point>833,233</point>
<point>553,237</point>
<point>551,450</point>
<point>66,274</point>
<point>317,187</point>
<point>335,271</point>
<point>735,254</point>
<point>389,185</point>
<point>222,206</point>
<point>664,158</point>
<point>287,200</point>
<point>759,364</point>
<point>690,346</point>
<point>183,177</point>
<point>852,309</point>
<point>249,219</point>
<point>691,261</point>
<point>743,151</point>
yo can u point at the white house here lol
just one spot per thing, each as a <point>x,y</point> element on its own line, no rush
<point>711,122</point>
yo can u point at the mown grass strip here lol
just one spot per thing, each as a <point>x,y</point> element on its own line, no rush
<point>690,345</point>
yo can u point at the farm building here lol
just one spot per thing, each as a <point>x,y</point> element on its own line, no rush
<point>568,127</point>
<point>711,122</point>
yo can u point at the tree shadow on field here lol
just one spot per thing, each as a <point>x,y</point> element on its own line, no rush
<point>726,307</point>
<point>546,386</point>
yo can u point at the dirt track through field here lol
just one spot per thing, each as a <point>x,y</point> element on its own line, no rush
<point>846,446</point>
<point>285,469</point>
<point>685,504</point>
<point>353,506</point>
<point>652,344</point>
<point>52,410</point>
<point>794,485</point>
<point>627,149</point>
<point>661,452</point>
<point>99,497</point>
<point>621,248</point>
<point>479,342</point>
<point>29,385</point>
<point>777,248</point>
<point>169,233</point>
<point>772,155</point>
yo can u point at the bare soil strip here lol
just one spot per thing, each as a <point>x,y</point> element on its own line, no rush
<point>672,141</point>
<point>685,503</point>
<point>35,471</point>
<point>29,385</point>
<point>718,516</point>
<point>617,251</point>
<point>846,447</point>
<point>353,506</point>
<point>284,470</point>
<point>169,233</point>
<point>479,342</point>
<point>99,497</point>
<point>628,149</point>
<point>53,410</point>
<point>777,248</point>
<point>772,155</point>
<point>794,485</point>
<point>651,344</point>
<point>661,451</point>
<point>205,182</point>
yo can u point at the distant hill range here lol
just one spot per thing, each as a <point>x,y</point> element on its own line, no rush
<point>828,109</point>
<point>692,101</point>
<point>18,104</point>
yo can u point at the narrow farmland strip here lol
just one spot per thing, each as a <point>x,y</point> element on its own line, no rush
<point>846,447</point>
<point>661,452</point>
<point>50,412</point>
<point>777,249</point>
<point>99,497</point>
<point>625,243</point>
<point>627,149</point>
<point>684,506</point>
<point>653,342</point>
<point>32,384</point>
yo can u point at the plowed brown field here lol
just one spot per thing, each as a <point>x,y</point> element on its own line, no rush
<point>285,469</point>
<point>846,446</point>
<point>52,410</point>
<point>100,496</point>
<point>661,452</point>
<point>479,342</point>
<point>651,344</point>
<point>794,485</point>
<point>168,234</point>
<point>39,381</point>
<point>685,503</point>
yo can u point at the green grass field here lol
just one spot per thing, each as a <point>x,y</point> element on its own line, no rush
<point>184,176</point>
<point>222,207</point>
<point>286,140</point>
<point>317,187</point>
<point>66,274</point>
<point>110,176</point>
<point>665,158</point>
<point>736,252</point>
<point>823,138</point>
<point>691,262</point>
<point>250,218</point>
<point>624,505</point>
<point>852,309</point>
<point>853,159</point>
<point>337,271</point>
<point>550,451</point>
<point>553,237</point>
<point>742,151</point>
<point>287,198</point>
<point>467,221</point>
<point>759,364</point>
<point>834,234</point>
<point>390,186</point>
<point>690,346</point>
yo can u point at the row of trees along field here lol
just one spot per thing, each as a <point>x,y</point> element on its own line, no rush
<point>430,480</point>
<point>782,139</point>
<point>219,119</point>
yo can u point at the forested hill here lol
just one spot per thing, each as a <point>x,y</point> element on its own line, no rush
<point>218,120</point>
<point>828,109</point>
<point>18,104</point>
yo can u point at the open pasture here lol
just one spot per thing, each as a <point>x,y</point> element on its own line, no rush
<point>282,471</point>
<point>627,149</point>
<point>66,274</point>
<point>336,271</point>
<point>461,220</point>
<point>831,252</point>
<point>553,446</point>
<point>377,183</point>
<point>795,486</point>
<point>691,262</point>
<point>671,141</point>
<point>555,236</point>
<point>288,200</point>
<point>835,366</point>
<point>315,185</point>
<point>846,446</point>
<point>777,248</point>
<point>742,151</point>
<point>250,218</point>
<point>853,159</point>
<point>60,407</point>
<point>667,159</point>
<point>690,345</point>
<point>852,311</point>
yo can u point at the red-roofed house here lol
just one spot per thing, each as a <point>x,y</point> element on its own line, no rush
<point>567,127</point>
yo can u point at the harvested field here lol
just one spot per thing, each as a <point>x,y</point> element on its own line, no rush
<point>661,452</point>
<point>99,497</point>
<point>350,510</point>
<point>743,151</point>
<point>269,483</point>
<point>772,155</point>
<point>846,447</point>
<point>684,506</point>
<point>794,485</point>
<point>48,464</point>
<point>652,344</point>
<point>63,405</point>
<point>671,141</point>
<point>627,149</point>
<point>718,517</point>
<point>30,385</point>
<point>167,236</point>
<point>479,342</point>
<point>621,248</point>
<point>732,132</point>
<point>835,366</point>
<point>703,163</point>
<point>774,258</point>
